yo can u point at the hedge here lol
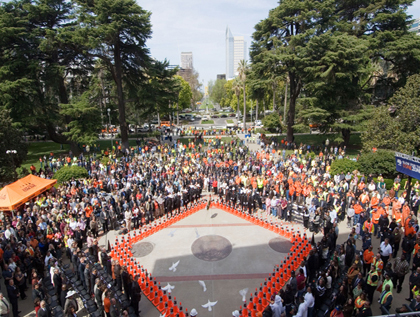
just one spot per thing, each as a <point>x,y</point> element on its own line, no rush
<point>343,165</point>
<point>379,162</point>
<point>67,173</point>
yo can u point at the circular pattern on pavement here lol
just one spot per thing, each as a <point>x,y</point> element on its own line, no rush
<point>211,248</point>
<point>280,245</point>
<point>142,249</point>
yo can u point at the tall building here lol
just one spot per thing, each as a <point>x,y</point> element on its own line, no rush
<point>235,52</point>
<point>415,27</point>
<point>186,60</point>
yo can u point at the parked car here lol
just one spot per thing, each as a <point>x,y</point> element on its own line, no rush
<point>232,115</point>
<point>258,122</point>
<point>215,116</point>
<point>223,116</point>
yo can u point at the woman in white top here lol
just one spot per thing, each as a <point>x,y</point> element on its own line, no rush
<point>128,215</point>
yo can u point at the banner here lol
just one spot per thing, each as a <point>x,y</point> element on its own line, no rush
<point>408,165</point>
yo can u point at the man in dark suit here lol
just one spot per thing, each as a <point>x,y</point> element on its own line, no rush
<point>13,294</point>
<point>135,295</point>
<point>44,311</point>
<point>58,282</point>
<point>357,279</point>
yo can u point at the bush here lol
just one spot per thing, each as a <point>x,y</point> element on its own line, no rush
<point>343,165</point>
<point>272,121</point>
<point>380,162</point>
<point>66,173</point>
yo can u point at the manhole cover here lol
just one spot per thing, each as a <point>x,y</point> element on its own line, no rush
<point>211,248</point>
<point>142,249</point>
<point>280,245</point>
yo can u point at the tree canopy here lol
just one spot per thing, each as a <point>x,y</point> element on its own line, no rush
<point>396,126</point>
<point>339,57</point>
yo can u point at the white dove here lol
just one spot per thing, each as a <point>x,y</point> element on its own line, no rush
<point>173,267</point>
<point>243,293</point>
<point>204,285</point>
<point>209,305</point>
<point>171,234</point>
<point>162,315</point>
<point>168,288</point>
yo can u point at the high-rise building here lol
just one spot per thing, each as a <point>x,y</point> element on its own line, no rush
<point>415,27</point>
<point>221,76</point>
<point>187,60</point>
<point>235,52</point>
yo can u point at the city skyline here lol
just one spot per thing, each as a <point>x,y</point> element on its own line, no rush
<point>200,27</point>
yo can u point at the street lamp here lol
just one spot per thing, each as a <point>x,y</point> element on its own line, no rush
<point>12,153</point>
<point>109,129</point>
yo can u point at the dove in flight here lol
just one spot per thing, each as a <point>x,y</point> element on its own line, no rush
<point>209,305</point>
<point>168,288</point>
<point>171,234</point>
<point>243,293</point>
<point>204,285</point>
<point>173,267</point>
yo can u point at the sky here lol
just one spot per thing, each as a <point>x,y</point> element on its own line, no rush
<point>199,27</point>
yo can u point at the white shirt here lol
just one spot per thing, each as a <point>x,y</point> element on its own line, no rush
<point>302,310</point>
<point>309,300</point>
<point>386,250</point>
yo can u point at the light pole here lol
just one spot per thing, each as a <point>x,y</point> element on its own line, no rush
<point>12,153</point>
<point>109,128</point>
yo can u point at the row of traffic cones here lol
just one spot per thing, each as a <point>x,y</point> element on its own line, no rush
<point>121,251</point>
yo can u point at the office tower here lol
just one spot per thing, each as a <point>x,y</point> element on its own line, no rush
<point>415,27</point>
<point>235,52</point>
<point>186,60</point>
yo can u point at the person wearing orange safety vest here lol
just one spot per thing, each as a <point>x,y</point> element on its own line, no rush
<point>386,298</point>
<point>360,301</point>
<point>378,264</point>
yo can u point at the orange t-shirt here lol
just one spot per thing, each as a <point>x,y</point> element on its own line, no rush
<point>107,304</point>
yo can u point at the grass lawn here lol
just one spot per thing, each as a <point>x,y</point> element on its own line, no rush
<point>207,122</point>
<point>353,148</point>
<point>229,121</point>
<point>39,149</point>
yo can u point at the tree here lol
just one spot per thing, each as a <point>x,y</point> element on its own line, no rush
<point>337,70</point>
<point>242,70</point>
<point>115,31</point>
<point>37,59</point>
<point>191,76</point>
<point>218,91</point>
<point>272,122</point>
<point>396,126</point>
<point>283,36</point>
<point>236,87</point>
<point>12,139</point>
<point>185,94</point>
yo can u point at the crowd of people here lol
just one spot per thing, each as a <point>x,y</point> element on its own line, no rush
<point>143,183</point>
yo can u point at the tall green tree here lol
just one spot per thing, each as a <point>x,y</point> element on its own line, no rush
<point>285,35</point>
<point>242,70</point>
<point>39,65</point>
<point>12,140</point>
<point>236,87</point>
<point>116,31</point>
<point>395,126</point>
<point>218,91</point>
